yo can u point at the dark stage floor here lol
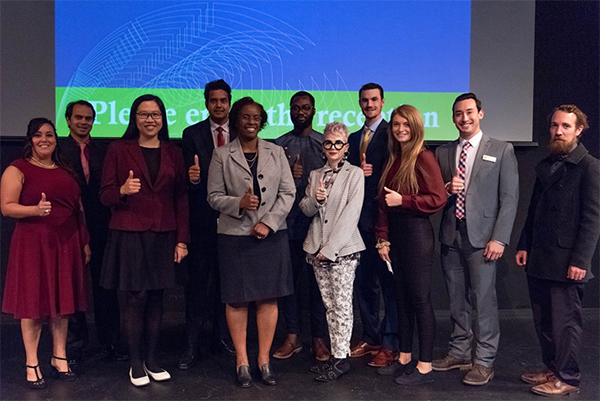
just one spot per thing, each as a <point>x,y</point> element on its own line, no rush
<point>213,377</point>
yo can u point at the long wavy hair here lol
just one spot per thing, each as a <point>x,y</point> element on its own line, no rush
<point>133,132</point>
<point>405,179</point>
<point>57,157</point>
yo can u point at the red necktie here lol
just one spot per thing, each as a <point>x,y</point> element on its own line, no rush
<point>85,160</point>
<point>462,169</point>
<point>220,137</point>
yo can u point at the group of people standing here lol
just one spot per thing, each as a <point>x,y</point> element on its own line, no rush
<point>315,213</point>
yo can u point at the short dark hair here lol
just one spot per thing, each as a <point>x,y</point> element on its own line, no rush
<point>370,85</point>
<point>69,111</point>
<point>303,94</point>
<point>132,131</point>
<point>467,96</point>
<point>237,107</point>
<point>216,85</point>
<point>571,108</point>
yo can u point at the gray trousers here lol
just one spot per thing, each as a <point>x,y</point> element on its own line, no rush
<point>471,284</point>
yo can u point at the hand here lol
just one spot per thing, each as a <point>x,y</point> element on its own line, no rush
<point>457,184</point>
<point>321,191</point>
<point>249,201</point>
<point>181,252</point>
<point>87,251</point>
<point>521,258</point>
<point>43,207</point>
<point>131,186</point>
<point>493,251</point>
<point>392,198</point>
<point>297,168</point>
<point>575,273</point>
<point>320,256</point>
<point>194,171</point>
<point>384,254</point>
<point>366,167</point>
<point>260,231</point>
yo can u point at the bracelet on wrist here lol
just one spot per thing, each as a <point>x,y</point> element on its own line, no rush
<point>382,243</point>
<point>180,246</point>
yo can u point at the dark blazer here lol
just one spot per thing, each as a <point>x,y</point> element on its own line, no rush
<point>563,221</point>
<point>376,155</point>
<point>197,140</point>
<point>162,206</point>
<point>492,195</point>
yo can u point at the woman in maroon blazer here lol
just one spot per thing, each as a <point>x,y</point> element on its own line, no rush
<point>144,183</point>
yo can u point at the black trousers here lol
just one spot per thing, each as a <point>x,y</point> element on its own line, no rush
<point>556,308</point>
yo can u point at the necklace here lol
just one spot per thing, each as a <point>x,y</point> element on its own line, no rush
<point>251,161</point>
<point>42,164</point>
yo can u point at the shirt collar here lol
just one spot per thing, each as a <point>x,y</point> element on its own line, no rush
<point>375,125</point>
<point>473,141</point>
<point>214,126</point>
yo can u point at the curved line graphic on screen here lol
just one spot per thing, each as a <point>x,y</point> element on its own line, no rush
<point>186,46</point>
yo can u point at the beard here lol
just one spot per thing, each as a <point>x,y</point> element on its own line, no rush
<point>561,147</point>
<point>301,125</point>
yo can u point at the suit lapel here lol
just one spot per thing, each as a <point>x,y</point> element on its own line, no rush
<point>483,147</point>
<point>451,162</point>
<point>135,151</point>
<point>264,156</point>
<point>166,162</point>
<point>237,155</point>
<point>207,139</point>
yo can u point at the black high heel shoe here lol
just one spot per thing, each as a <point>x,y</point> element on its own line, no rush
<point>68,376</point>
<point>38,384</point>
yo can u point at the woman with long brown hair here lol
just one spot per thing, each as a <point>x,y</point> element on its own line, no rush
<point>411,189</point>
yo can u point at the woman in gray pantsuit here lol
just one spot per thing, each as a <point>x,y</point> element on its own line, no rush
<point>334,196</point>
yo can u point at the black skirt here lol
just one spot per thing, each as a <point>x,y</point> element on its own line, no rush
<point>139,261</point>
<point>253,269</point>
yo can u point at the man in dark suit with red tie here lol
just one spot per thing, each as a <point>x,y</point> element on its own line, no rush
<point>86,156</point>
<point>203,287</point>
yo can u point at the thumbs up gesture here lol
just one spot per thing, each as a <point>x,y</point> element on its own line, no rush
<point>297,168</point>
<point>392,198</point>
<point>131,186</point>
<point>194,171</point>
<point>457,184</point>
<point>366,167</point>
<point>321,192</point>
<point>249,201</point>
<point>43,207</point>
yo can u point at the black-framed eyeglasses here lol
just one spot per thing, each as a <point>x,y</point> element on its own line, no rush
<point>306,108</point>
<point>338,145</point>
<point>144,116</point>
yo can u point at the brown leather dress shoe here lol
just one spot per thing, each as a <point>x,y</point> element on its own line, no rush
<point>363,348</point>
<point>554,388</point>
<point>538,378</point>
<point>449,363</point>
<point>288,349</point>
<point>479,375</point>
<point>383,358</point>
<point>321,350</point>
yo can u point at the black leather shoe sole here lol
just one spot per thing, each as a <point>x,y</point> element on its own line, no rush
<point>268,376</point>
<point>188,360</point>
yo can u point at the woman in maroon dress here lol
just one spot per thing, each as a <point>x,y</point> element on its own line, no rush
<point>49,247</point>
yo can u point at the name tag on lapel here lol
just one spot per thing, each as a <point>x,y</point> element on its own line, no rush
<point>488,158</point>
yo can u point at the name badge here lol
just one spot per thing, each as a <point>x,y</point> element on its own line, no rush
<point>489,158</point>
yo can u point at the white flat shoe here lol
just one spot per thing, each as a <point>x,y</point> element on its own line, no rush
<point>139,381</point>
<point>161,376</point>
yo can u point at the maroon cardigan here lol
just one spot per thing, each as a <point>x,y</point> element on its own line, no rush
<point>162,206</point>
<point>430,198</point>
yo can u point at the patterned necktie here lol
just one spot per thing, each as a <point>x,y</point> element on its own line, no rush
<point>85,159</point>
<point>220,137</point>
<point>365,142</point>
<point>462,169</point>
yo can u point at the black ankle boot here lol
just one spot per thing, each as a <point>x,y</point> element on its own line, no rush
<point>337,368</point>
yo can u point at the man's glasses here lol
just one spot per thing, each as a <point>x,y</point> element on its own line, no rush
<point>144,116</point>
<point>306,108</point>
<point>338,145</point>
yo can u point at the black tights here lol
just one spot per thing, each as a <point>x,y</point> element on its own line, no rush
<point>143,317</point>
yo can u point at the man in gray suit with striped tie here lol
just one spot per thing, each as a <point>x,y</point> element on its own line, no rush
<point>482,183</point>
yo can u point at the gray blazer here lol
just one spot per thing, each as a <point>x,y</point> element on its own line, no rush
<point>492,195</point>
<point>335,223</point>
<point>229,177</point>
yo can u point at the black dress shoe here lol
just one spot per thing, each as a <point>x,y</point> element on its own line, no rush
<point>268,376</point>
<point>337,368</point>
<point>225,346</point>
<point>188,359</point>
<point>244,379</point>
<point>112,351</point>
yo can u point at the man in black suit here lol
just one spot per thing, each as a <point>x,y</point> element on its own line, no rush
<point>556,246</point>
<point>203,288</point>
<point>368,149</point>
<point>86,156</point>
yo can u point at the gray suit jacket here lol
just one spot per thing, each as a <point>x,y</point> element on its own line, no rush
<point>229,177</point>
<point>492,195</point>
<point>335,223</point>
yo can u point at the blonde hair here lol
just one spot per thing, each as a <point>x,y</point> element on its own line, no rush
<point>336,128</point>
<point>405,179</point>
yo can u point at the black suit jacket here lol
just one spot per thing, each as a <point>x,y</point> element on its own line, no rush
<point>377,156</point>
<point>563,221</point>
<point>197,140</point>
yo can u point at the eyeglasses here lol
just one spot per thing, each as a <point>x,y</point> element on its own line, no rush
<point>306,108</point>
<point>338,145</point>
<point>143,116</point>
